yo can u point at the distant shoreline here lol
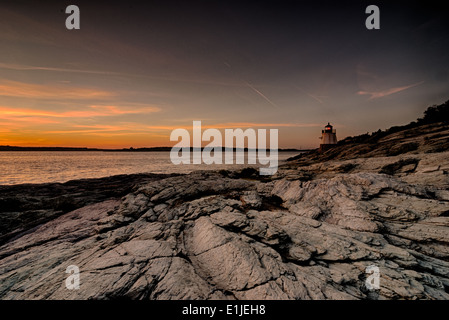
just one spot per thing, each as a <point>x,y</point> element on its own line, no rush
<point>151,149</point>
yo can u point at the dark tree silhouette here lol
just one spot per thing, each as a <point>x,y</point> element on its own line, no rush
<point>436,113</point>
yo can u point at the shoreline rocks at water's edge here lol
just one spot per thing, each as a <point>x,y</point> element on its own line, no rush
<point>309,232</point>
<point>25,206</point>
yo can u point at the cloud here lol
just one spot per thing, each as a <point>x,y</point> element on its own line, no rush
<point>26,120</point>
<point>91,111</point>
<point>110,110</point>
<point>21,67</point>
<point>387,92</point>
<point>27,90</point>
<point>361,71</point>
<point>235,125</point>
<point>134,128</point>
<point>77,129</point>
<point>231,125</point>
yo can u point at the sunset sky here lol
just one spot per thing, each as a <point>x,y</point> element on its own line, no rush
<point>137,70</point>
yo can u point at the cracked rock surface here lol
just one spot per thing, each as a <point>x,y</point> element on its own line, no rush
<point>216,235</point>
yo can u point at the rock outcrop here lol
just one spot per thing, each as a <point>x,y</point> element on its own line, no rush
<point>309,232</point>
<point>25,206</point>
<point>413,138</point>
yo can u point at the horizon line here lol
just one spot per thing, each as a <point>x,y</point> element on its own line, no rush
<point>161,148</point>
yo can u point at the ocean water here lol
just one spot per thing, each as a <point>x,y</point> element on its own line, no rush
<point>17,167</point>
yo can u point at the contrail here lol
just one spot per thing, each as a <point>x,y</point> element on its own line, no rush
<point>315,97</point>
<point>262,95</point>
<point>311,95</point>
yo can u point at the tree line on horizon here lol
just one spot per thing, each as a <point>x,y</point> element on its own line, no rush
<point>433,114</point>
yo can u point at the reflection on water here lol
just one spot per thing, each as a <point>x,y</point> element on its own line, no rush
<point>39,166</point>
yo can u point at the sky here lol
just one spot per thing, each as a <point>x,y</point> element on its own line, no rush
<point>136,70</point>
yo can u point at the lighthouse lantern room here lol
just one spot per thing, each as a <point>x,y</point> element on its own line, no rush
<point>328,138</point>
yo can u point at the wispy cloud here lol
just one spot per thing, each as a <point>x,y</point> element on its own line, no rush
<point>29,120</point>
<point>21,67</point>
<point>28,90</point>
<point>362,71</point>
<point>231,125</point>
<point>387,92</point>
<point>91,111</point>
<point>111,110</point>
<point>234,125</point>
<point>92,129</point>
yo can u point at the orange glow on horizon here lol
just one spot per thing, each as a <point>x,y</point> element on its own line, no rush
<point>113,136</point>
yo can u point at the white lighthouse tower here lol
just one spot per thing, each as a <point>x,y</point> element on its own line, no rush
<point>328,138</point>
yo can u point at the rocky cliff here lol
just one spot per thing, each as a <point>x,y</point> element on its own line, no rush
<point>309,232</point>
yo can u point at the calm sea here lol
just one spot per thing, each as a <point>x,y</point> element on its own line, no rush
<point>18,167</point>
